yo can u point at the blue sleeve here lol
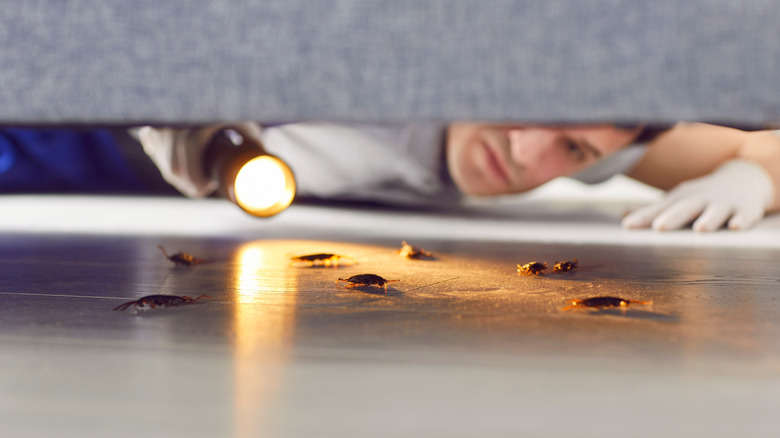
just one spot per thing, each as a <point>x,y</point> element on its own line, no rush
<point>63,160</point>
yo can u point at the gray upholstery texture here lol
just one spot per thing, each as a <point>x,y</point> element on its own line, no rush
<point>197,61</point>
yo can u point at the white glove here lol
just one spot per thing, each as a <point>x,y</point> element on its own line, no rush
<point>178,153</point>
<point>738,192</point>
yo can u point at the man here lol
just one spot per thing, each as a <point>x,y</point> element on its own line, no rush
<point>715,175</point>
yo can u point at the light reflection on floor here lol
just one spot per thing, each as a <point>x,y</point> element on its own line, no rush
<point>264,319</point>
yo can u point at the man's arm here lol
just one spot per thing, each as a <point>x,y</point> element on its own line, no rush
<point>707,168</point>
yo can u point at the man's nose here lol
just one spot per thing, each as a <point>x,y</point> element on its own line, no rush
<point>526,146</point>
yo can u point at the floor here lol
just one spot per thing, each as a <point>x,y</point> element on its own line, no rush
<point>460,346</point>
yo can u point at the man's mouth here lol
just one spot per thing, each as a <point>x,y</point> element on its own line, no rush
<point>495,166</point>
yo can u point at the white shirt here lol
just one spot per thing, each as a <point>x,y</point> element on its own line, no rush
<point>381,162</point>
<point>619,162</point>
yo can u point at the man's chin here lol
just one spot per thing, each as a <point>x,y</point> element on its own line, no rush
<point>483,191</point>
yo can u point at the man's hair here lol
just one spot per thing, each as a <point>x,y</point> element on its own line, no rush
<point>647,132</point>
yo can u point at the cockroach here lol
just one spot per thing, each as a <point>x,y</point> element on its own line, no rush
<point>366,280</point>
<point>565,266</point>
<point>181,258</point>
<point>324,259</point>
<point>414,252</point>
<point>604,302</point>
<point>533,268</point>
<point>153,301</point>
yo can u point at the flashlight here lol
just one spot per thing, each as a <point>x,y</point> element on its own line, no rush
<point>260,183</point>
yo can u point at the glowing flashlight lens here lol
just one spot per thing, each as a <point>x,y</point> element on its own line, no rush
<point>264,186</point>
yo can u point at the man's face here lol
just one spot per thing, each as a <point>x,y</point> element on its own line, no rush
<point>487,159</point>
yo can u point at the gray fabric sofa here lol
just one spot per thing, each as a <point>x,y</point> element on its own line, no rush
<point>80,61</point>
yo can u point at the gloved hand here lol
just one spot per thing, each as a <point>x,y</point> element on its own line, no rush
<point>178,153</point>
<point>738,192</point>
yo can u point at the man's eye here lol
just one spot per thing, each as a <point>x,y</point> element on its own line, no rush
<point>574,150</point>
